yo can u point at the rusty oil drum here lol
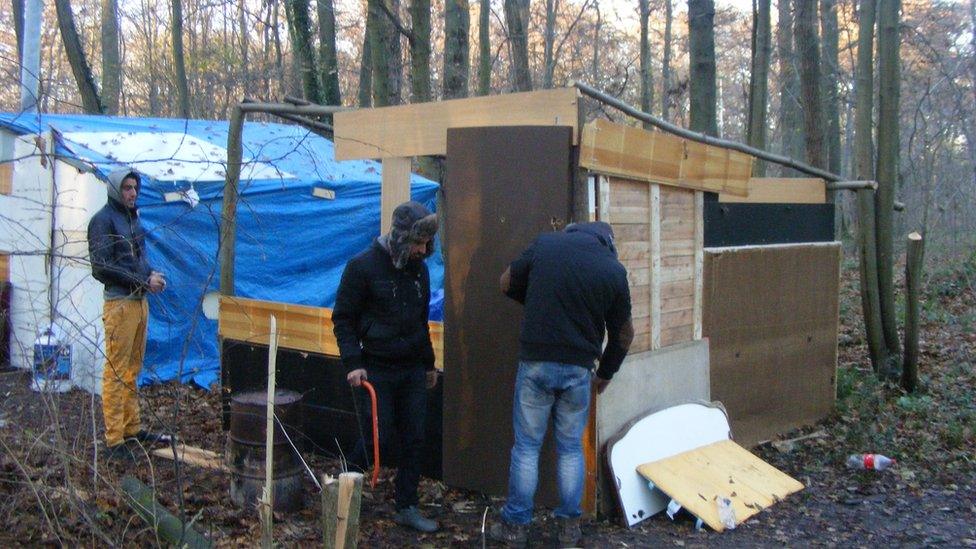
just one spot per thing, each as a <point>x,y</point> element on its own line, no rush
<point>246,450</point>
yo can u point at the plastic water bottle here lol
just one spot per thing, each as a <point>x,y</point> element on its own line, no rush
<point>874,462</point>
<point>52,361</point>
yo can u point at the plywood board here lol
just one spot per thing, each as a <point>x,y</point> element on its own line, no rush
<point>698,479</point>
<point>421,128</point>
<point>300,327</point>
<point>658,157</point>
<point>6,177</point>
<point>777,190</point>
<point>490,216</point>
<point>771,315</point>
<point>653,437</point>
<point>4,267</point>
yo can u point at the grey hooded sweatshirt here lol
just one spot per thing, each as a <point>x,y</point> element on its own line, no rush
<point>116,244</point>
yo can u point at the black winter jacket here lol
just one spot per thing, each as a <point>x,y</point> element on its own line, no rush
<point>116,246</point>
<point>381,313</point>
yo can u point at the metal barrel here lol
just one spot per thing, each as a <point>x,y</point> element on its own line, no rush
<point>246,450</point>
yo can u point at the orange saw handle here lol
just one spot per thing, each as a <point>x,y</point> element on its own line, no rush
<point>376,434</point>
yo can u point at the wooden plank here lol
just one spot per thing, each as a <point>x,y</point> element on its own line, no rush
<point>658,157</point>
<point>395,189</point>
<point>654,221</point>
<point>697,479</point>
<point>4,267</point>
<point>678,288</point>
<point>300,327</point>
<point>193,455</point>
<point>699,262</point>
<point>675,335</point>
<point>603,202</point>
<point>628,214</point>
<point>776,190</point>
<point>6,178</point>
<point>421,129</point>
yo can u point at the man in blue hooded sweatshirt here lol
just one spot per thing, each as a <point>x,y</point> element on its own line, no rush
<point>117,250</point>
<point>574,291</point>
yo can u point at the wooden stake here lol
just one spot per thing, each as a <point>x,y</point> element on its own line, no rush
<point>330,503</point>
<point>267,503</point>
<point>350,498</point>
<point>913,275</point>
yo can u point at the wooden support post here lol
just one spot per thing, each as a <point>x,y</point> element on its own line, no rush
<point>330,508</point>
<point>699,263</point>
<point>395,190</point>
<point>228,215</point>
<point>602,198</point>
<point>267,501</point>
<point>341,501</point>
<point>913,276</point>
<point>654,222</point>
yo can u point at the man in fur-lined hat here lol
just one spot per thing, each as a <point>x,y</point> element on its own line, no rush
<point>380,320</point>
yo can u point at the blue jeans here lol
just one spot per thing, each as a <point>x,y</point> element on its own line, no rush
<point>540,388</point>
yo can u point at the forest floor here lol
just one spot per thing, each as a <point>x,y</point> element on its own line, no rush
<point>54,492</point>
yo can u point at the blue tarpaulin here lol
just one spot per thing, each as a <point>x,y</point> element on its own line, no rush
<point>291,244</point>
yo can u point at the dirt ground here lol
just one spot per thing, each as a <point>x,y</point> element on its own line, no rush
<point>53,490</point>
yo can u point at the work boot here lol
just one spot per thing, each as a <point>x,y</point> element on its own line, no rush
<point>568,531</point>
<point>150,438</point>
<point>411,518</point>
<point>513,535</point>
<point>119,453</point>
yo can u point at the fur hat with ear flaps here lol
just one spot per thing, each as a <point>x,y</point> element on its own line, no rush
<point>412,223</point>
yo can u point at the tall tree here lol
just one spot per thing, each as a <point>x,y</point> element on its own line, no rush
<point>419,38</point>
<point>808,52</point>
<point>385,53</point>
<point>887,165</point>
<point>328,56</point>
<point>365,96</point>
<point>18,13</point>
<point>759,80</point>
<point>790,125</point>
<point>111,58</point>
<point>302,47</point>
<point>76,58</point>
<point>829,31</point>
<point>484,48</point>
<point>179,58</point>
<point>549,43</point>
<point>864,170</point>
<point>701,38</point>
<point>517,20</point>
<point>666,63</point>
<point>646,76</point>
<point>457,23</point>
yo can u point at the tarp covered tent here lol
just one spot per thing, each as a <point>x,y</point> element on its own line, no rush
<point>292,241</point>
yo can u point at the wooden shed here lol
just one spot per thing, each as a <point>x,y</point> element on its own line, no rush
<point>745,316</point>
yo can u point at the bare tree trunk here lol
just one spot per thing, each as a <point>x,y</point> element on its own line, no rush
<point>549,43</point>
<point>808,51</point>
<point>887,170</point>
<point>179,59</point>
<point>864,170</point>
<point>420,51</point>
<point>328,56</point>
<point>18,14</point>
<point>790,125</point>
<point>913,280</point>
<point>77,59</point>
<point>385,52</point>
<point>596,41</point>
<point>701,38</point>
<point>759,80</point>
<point>365,97</point>
<point>646,75</point>
<point>303,51</point>
<point>457,24</point>
<point>111,64</point>
<point>829,31</point>
<point>666,64</point>
<point>244,30</point>
<point>517,19</point>
<point>484,48</point>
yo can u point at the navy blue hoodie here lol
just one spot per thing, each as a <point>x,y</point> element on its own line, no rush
<point>574,290</point>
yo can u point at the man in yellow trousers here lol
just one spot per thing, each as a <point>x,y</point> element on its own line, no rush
<point>117,250</point>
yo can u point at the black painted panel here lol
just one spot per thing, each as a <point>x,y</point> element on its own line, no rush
<point>740,224</point>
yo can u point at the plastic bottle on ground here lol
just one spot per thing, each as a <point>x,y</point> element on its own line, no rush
<point>875,462</point>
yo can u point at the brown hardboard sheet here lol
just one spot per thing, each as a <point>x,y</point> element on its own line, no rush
<point>771,314</point>
<point>504,186</point>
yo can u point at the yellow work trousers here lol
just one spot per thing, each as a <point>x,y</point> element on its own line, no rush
<point>125,345</point>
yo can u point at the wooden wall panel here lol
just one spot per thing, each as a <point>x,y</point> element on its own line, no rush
<point>629,210</point>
